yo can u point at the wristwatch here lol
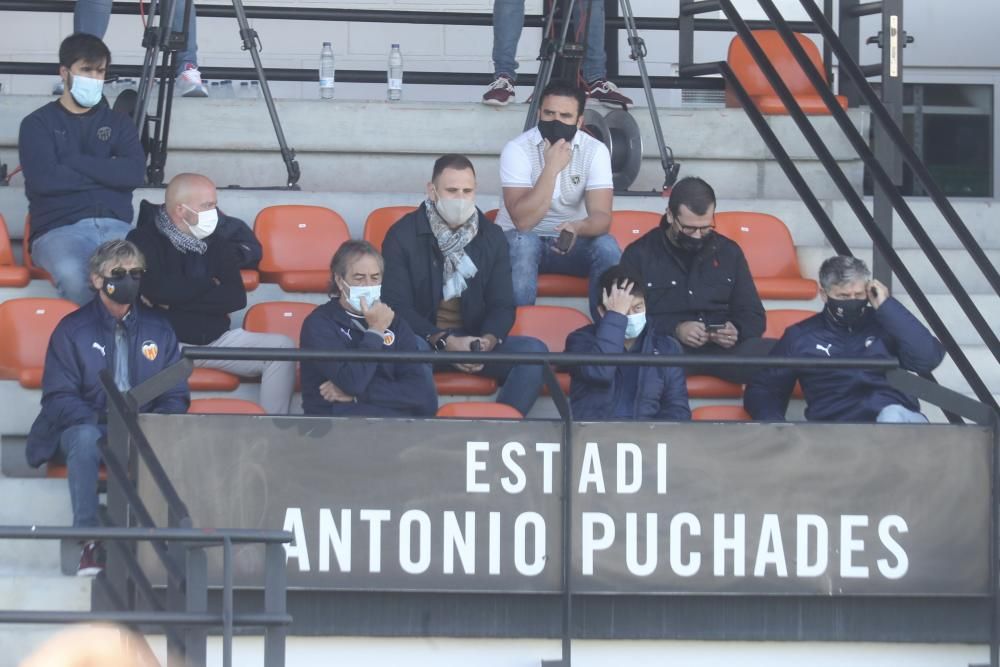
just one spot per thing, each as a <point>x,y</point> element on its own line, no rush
<point>441,342</point>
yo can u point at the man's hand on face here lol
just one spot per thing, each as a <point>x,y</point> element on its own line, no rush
<point>378,316</point>
<point>692,334</point>
<point>557,155</point>
<point>725,337</point>
<point>618,299</point>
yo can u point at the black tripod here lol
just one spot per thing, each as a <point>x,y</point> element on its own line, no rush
<point>155,128</point>
<point>556,48</point>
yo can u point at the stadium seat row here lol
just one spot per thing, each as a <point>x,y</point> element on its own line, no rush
<point>298,242</point>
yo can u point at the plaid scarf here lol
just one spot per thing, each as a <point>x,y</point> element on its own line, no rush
<point>180,240</point>
<point>457,265</point>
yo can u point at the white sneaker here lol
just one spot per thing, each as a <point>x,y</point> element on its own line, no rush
<point>188,83</point>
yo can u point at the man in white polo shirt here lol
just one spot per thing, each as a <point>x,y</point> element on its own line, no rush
<point>557,193</point>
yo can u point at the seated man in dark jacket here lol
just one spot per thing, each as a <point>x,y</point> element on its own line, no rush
<point>860,320</point>
<point>448,274</point>
<point>193,260</point>
<point>356,319</point>
<point>697,283</point>
<point>625,392</point>
<point>112,332</point>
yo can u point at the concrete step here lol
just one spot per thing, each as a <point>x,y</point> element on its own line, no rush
<point>37,593</point>
<point>354,146</point>
<point>48,500</point>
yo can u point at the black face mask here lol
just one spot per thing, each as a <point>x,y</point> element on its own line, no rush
<point>554,130</point>
<point>691,244</point>
<point>122,290</point>
<point>847,312</point>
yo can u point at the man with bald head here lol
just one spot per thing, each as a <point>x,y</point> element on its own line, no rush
<point>193,259</point>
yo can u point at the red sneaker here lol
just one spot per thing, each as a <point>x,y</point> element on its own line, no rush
<point>500,92</point>
<point>91,560</point>
<point>606,93</point>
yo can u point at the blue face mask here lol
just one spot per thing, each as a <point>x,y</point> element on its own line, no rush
<point>636,323</point>
<point>86,91</point>
<point>371,294</point>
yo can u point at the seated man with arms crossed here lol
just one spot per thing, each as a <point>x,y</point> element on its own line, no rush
<point>698,284</point>
<point>557,193</point>
<point>81,163</point>
<point>355,318</point>
<point>448,275</point>
<point>114,332</point>
<point>860,320</point>
<point>194,256</point>
<point>625,392</point>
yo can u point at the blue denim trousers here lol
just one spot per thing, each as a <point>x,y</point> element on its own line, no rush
<point>531,254</point>
<point>508,20</point>
<point>92,16</point>
<point>65,251</point>
<point>78,445</point>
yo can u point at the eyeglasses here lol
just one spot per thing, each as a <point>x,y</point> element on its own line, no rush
<point>118,273</point>
<point>691,230</point>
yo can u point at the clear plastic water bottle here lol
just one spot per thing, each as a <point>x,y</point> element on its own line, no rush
<point>395,91</point>
<point>327,71</point>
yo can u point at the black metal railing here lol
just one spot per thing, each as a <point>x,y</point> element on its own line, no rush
<point>881,240</point>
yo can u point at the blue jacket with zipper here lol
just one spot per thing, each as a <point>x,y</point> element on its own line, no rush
<point>661,391</point>
<point>82,345</point>
<point>845,394</point>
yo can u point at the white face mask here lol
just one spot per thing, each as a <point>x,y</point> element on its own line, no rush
<point>86,91</point>
<point>636,323</point>
<point>371,294</point>
<point>207,222</point>
<point>455,212</point>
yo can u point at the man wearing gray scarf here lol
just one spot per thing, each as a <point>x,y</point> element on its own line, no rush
<point>448,273</point>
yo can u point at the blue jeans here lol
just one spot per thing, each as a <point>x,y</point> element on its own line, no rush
<point>531,254</point>
<point>521,383</point>
<point>65,251</point>
<point>78,445</point>
<point>897,414</point>
<point>508,20</point>
<point>92,16</point>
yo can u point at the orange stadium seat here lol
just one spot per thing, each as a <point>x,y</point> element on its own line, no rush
<point>551,325</point>
<point>251,279</point>
<point>380,220</point>
<point>478,410</point>
<point>54,470</point>
<point>707,386</point>
<point>211,379</point>
<point>224,406</point>
<point>780,319</point>
<point>25,328</point>
<point>281,317</point>
<point>757,85</point>
<point>627,226</point>
<point>770,253</point>
<point>491,214</point>
<point>11,275</point>
<point>455,383</point>
<point>298,243</point>
<point>720,413</point>
<point>36,272</point>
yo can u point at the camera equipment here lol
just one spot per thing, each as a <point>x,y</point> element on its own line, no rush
<point>626,147</point>
<point>161,40</point>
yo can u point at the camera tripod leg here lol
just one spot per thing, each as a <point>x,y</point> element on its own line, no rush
<point>638,53</point>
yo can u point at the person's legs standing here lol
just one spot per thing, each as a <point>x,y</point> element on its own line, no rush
<point>92,17</point>
<point>508,21</point>
<point>595,59</point>
<point>65,251</point>
<point>277,378</point>
<point>898,414</point>
<point>521,382</point>
<point>83,459</point>
<point>526,251</point>
<point>189,56</point>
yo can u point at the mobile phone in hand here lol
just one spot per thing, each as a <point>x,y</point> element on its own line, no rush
<point>565,241</point>
<point>711,328</point>
<point>476,346</point>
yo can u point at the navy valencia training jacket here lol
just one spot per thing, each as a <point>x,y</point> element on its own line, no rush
<point>845,394</point>
<point>82,345</point>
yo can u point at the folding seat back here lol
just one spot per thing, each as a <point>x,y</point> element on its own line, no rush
<point>37,273</point>
<point>224,406</point>
<point>298,243</point>
<point>779,319</point>
<point>478,410</point>
<point>25,328</point>
<point>770,252</point>
<point>549,324</point>
<point>720,413</point>
<point>11,275</point>
<point>759,88</point>
<point>627,226</point>
<point>380,220</point>
<point>281,317</point>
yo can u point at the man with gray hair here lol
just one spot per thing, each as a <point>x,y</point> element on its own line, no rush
<point>113,332</point>
<point>860,320</point>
